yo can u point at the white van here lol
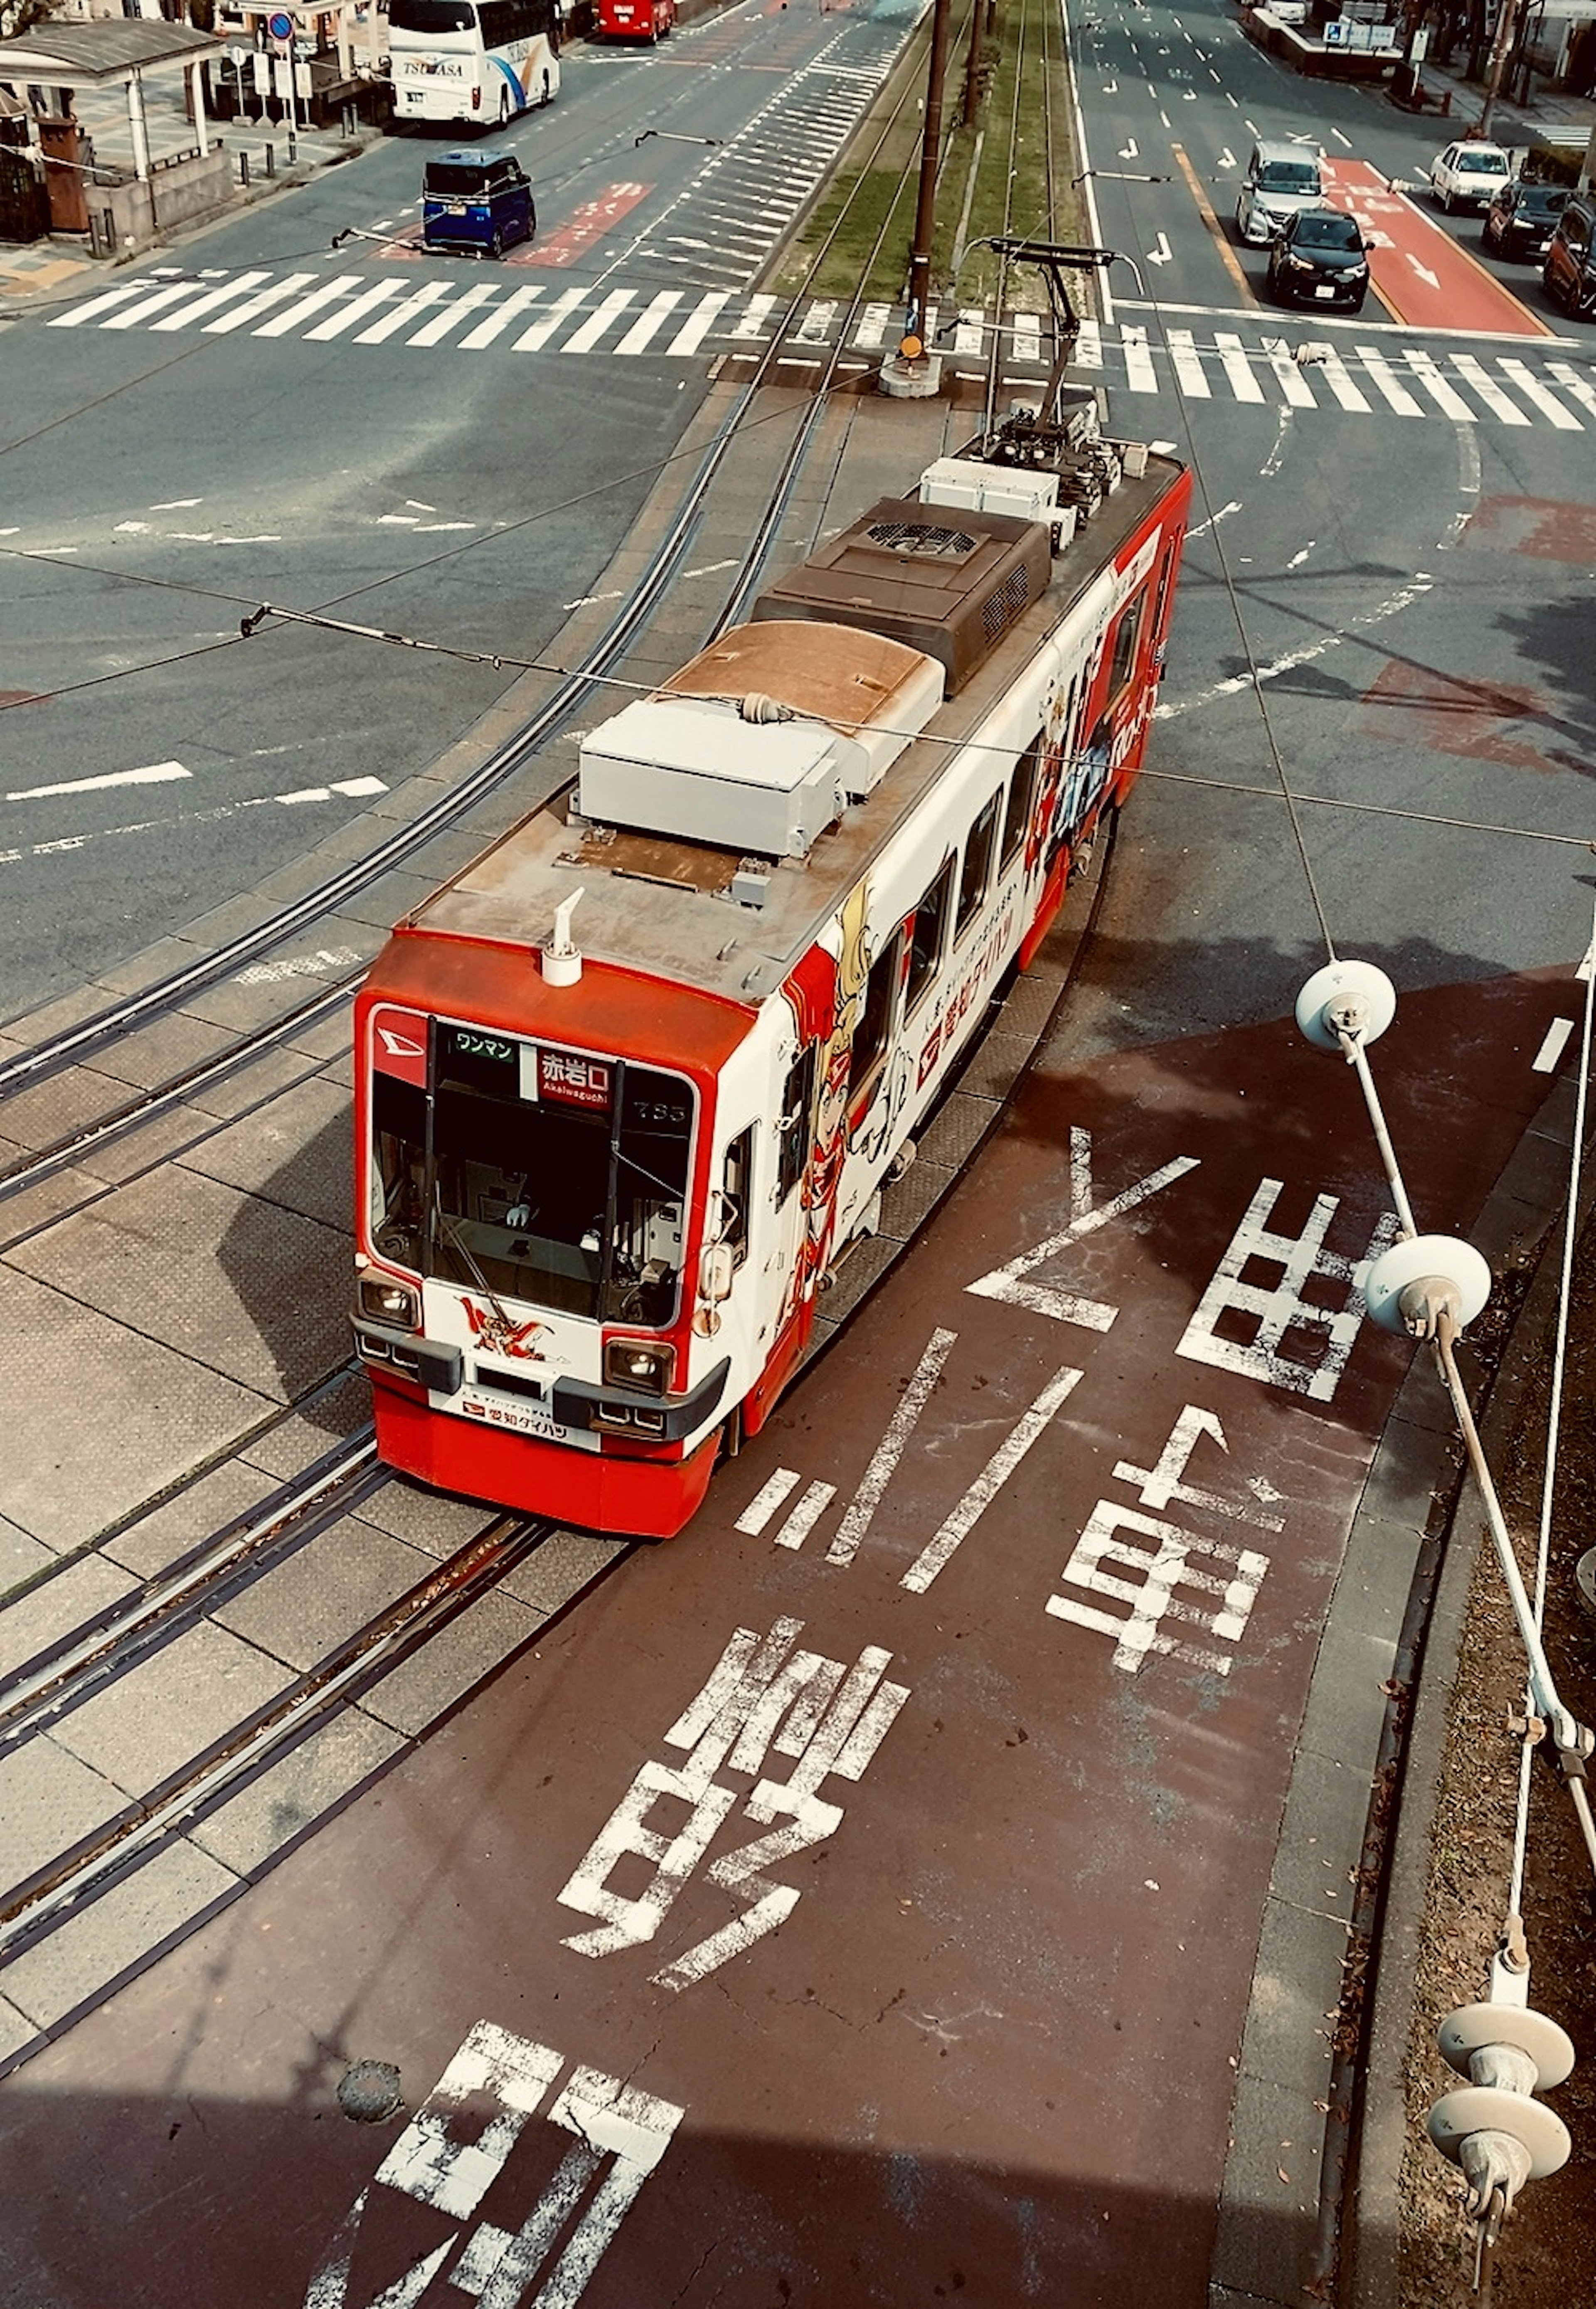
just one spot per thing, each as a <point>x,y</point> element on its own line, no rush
<point>1280,179</point>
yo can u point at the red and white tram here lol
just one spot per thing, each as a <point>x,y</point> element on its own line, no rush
<point>608,1152</point>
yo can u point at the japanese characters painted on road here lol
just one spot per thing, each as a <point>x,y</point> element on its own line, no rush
<point>550,2196</point>
<point>1155,1571</point>
<point>762,1697</point>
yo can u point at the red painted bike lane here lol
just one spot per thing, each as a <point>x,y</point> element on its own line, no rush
<point>1419,272</point>
<point>855,1900</point>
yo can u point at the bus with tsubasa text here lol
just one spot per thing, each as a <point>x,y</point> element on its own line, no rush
<point>476,62</point>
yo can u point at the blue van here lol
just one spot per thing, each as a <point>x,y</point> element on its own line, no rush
<point>480,200</point>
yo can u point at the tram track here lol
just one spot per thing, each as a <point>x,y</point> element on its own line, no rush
<point>74,1876</point>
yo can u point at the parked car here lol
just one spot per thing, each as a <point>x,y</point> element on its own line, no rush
<point>1468,175</point>
<point>1569,268</point>
<point>1280,178</point>
<point>1320,257</point>
<point>1522,218</point>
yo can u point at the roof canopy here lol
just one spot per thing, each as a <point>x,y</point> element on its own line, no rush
<point>78,56</point>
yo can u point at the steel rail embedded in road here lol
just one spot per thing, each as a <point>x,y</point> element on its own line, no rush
<point>63,1885</point>
<point>60,1677</point>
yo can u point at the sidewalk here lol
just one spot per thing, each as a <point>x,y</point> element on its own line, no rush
<point>276,159</point>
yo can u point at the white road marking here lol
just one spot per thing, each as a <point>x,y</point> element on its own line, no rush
<point>1449,403</point>
<point>1027,337</point>
<point>209,302</point>
<point>154,773</point>
<point>804,1517</point>
<point>1238,369</point>
<point>1295,387</point>
<point>242,314</point>
<point>1571,381</point>
<point>1551,1050</point>
<point>133,316</point>
<point>764,1501</point>
<point>500,318</point>
<point>437,329</point>
<point>390,324</point>
<point>292,314</point>
<point>889,1450</point>
<point>531,339</point>
<point>1334,371</point>
<point>1189,373</point>
<point>938,1550</point>
<point>298,966</point>
<point>1475,374</point>
<point>1383,378</point>
<point>583,339</point>
<point>1089,348</point>
<point>1086,1215</point>
<point>1141,376</point>
<point>700,321</point>
<point>96,306</point>
<point>649,322</point>
<point>1522,379</point>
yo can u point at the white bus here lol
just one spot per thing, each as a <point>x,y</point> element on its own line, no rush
<point>476,61</point>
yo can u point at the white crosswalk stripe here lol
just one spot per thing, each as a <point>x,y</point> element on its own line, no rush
<point>1519,376</point>
<point>1449,404</point>
<point>1382,375</point>
<point>209,302</point>
<point>1190,375</point>
<point>1264,371</point>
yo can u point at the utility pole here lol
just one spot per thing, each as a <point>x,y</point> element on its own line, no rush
<point>1506,20</point>
<point>913,337</point>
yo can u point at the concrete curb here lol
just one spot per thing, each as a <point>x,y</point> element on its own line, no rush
<point>1274,2244</point>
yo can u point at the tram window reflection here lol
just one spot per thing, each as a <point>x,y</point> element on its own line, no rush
<point>978,867</point>
<point>925,938</point>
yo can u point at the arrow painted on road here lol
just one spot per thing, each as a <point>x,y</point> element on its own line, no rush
<point>1162,253</point>
<point>1111,88</point>
<point>1129,151</point>
<point>1227,159</point>
<point>1423,271</point>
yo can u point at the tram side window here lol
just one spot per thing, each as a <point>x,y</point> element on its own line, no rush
<point>398,1168</point>
<point>978,867</point>
<point>1126,634</point>
<point>875,1022</point>
<point>737,1179</point>
<point>1022,793</point>
<point>651,1172</point>
<point>925,939</point>
<point>792,1130</point>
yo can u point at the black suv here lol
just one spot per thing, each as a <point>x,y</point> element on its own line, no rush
<point>1319,257</point>
<point>1569,271</point>
<point>1521,219</point>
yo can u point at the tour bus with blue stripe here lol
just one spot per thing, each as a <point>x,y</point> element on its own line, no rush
<point>472,62</point>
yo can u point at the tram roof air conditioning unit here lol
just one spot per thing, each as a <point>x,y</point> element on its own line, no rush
<point>698,770</point>
<point>968,483</point>
<point>947,581</point>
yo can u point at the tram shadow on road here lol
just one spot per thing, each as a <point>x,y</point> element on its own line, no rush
<point>250,2193</point>
<point>285,1254</point>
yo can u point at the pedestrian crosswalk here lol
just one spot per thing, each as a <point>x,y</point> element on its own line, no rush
<point>1261,370</point>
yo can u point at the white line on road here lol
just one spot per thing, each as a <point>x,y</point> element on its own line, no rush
<point>1551,1050</point>
<point>154,773</point>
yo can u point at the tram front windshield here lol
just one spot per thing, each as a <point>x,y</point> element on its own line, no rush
<point>539,1175</point>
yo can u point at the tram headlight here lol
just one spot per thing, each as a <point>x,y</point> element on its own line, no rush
<point>388,1301</point>
<point>646,1364</point>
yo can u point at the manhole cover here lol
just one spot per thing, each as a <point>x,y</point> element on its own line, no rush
<point>368,2093</point>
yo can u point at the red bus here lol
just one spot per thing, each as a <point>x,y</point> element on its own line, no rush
<point>635,20</point>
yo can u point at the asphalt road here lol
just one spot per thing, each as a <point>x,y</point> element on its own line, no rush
<point>990,2048</point>
<point>162,477</point>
